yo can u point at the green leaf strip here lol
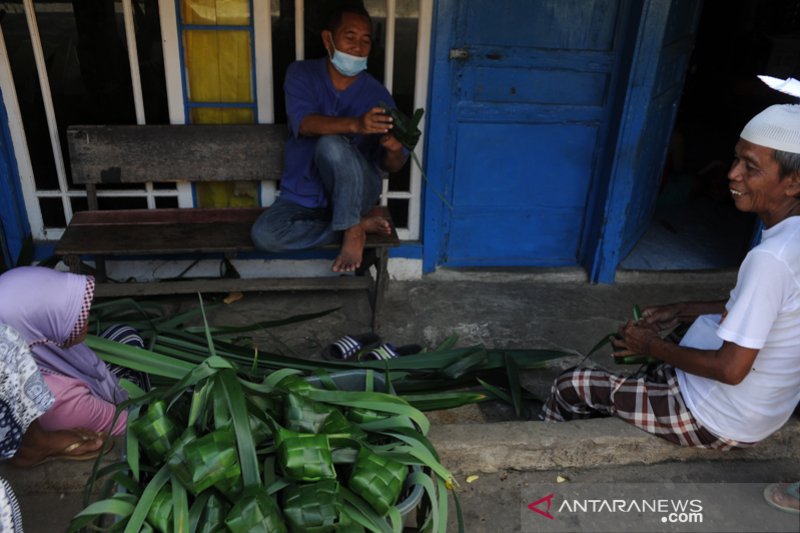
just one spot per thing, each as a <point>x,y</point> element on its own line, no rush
<point>139,514</point>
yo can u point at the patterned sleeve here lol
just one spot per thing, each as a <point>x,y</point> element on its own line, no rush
<point>24,396</point>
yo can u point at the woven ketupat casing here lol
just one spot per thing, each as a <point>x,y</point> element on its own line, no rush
<point>337,423</point>
<point>405,129</point>
<point>377,479</point>
<point>176,459</point>
<point>312,507</point>
<point>303,415</point>
<point>304,456</point>
<point>155,431</point>
<point>255,510</point>
<point>213,461</point>
<point>213,516</point>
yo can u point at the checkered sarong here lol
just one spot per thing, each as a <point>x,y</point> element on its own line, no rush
<point>650,400</point>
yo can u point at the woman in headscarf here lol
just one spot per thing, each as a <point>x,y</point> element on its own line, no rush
<point>24,397</point>
<point>50,310</point>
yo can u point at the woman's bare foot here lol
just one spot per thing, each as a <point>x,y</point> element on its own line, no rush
<point>38,445</point>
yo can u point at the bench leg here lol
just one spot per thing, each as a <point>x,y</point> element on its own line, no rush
<point>73,262</point>
<point>76,266</point>
<point>381,282</point>
<point>100,269</point>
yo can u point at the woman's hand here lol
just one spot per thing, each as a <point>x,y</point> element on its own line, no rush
<point>634,338</point>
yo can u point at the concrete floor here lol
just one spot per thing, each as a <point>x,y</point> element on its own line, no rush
<point>501,309</point>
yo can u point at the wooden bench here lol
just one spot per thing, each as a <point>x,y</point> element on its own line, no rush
<point>197,153</point>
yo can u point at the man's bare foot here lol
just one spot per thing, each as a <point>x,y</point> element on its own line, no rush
<point>352,250</point>
<point>39,446</point>
<point>375,222</point>
<point>355,237</point>
<point>377,225</point>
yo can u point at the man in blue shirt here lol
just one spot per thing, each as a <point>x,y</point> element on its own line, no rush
<point>340,144</point>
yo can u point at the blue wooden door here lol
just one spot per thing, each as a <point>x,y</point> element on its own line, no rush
<point>522,99</point>
<point>665,37</point>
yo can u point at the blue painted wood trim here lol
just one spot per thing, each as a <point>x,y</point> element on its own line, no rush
<point>13,215</point>
<point>650,36</point>
<point>437,162</point>
<point>630,14</point>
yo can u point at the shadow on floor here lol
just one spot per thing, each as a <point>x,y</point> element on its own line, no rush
<point>692,230</point>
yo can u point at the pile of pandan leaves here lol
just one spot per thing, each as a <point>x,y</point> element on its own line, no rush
<point>235,438</point>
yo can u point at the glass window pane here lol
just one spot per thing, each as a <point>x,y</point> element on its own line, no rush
<point>400,181</point>
<point>165,185</point>
<point>398,207</point>
<point>163,202</point>
<point>52,212</point>
<point>117,202</point>
<point>79,204</point>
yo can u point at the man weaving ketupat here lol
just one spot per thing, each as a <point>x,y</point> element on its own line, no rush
<point>341,139</point>
<point>735,377</point>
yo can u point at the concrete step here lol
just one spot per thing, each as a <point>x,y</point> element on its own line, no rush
<point>469,448</point>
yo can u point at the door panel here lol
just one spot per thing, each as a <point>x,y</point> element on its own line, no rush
<point>661,55</point>
<point>533,176</point>
<point>531,83</point>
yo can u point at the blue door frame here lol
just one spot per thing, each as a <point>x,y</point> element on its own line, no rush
<point>13,216</point>
<point>654,55</point>
<point>664,43</point>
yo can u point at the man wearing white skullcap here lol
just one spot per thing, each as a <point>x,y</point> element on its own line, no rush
<point>735,377</point>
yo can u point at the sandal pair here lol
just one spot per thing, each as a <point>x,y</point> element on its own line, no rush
<point>366,347</point>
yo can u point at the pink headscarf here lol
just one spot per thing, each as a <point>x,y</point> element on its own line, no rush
<point>48,308</point>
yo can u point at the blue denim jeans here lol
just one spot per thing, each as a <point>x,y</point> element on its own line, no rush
<point>353,186</point>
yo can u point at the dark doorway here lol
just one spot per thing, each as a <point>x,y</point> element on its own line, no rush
<point>695,225</point>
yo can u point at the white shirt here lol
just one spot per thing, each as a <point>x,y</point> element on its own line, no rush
<point>763,313</point>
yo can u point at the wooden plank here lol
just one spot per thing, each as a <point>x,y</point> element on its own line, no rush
<point>207,152</point>
<point>136,239</point>
<point>166,216</point>
<point>189,286</point>
<point>171,231</point>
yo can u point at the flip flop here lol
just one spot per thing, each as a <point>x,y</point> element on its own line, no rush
<point>346,348</point>
<point>390,351</point>
<point>84,435</point>
<point>792,490</point>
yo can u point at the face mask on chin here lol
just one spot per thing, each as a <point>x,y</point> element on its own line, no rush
<point>347,64</point>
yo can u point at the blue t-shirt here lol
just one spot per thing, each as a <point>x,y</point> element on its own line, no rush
<point>309,91</point>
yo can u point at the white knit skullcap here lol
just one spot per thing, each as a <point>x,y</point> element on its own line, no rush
<point>777,127</point>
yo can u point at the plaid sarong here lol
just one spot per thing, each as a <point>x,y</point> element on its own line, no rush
<point>650,400</point>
